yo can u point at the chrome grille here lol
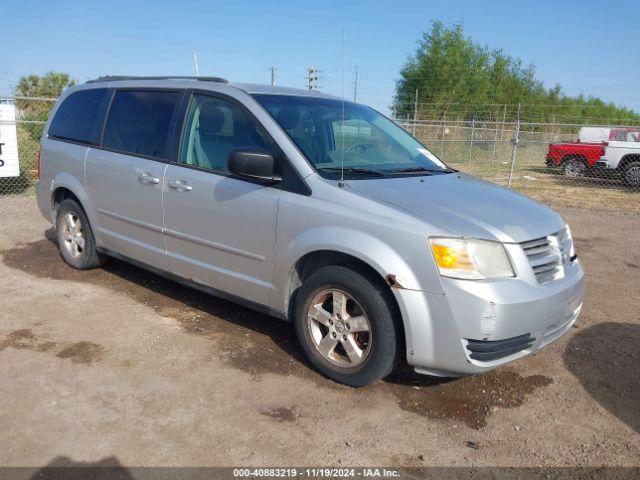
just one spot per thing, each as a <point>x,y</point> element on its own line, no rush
<point>548,255</point>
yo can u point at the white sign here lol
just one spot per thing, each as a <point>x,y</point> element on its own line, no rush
<point>9,166</point>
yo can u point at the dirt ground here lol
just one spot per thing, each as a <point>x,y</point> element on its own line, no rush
<point>119,365</point>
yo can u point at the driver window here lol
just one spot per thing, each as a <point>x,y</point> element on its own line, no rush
<point>215,127</point>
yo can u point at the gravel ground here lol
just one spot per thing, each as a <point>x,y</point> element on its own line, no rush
<point>120,366</point>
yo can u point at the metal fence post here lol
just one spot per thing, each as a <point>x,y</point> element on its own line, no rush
<point>415,113</point>
<point>516,140</point>
<point>473,127</point>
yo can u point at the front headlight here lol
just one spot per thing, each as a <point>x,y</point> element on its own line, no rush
<point>470,259</point>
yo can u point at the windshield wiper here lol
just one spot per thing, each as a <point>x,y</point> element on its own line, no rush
<point>364,171</point>
<point>421,169</point>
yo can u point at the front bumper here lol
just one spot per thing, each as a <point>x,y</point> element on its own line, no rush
<point>509,318</point>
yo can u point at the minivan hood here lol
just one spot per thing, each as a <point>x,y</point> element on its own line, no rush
<point>465,206</point>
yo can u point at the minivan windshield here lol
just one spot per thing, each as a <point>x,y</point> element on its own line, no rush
<point>333,134</point>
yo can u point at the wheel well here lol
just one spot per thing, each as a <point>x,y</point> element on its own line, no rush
<point>59,195</point>
<point>628,159</point>
<point>311,262</point>
<point>580,158</point>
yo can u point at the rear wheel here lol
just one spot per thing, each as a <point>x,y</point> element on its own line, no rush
<point>632,174</point>
<point>347,326</point>
<point>574,168</point>
<point>75,238</point>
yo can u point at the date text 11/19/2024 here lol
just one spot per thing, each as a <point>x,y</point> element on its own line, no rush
<point>316,472</point>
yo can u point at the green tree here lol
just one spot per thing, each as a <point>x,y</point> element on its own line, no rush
<point>33,92</point>
<point>50,85</point>
<point>459,78</point>
<point>33,109</point>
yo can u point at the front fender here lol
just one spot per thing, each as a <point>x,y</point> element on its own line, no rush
<point>380,255</point>
<point>373,251</point>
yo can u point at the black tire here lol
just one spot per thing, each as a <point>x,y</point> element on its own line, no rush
<point>386,345</point>
<point>83,258</point>
<point>574,168</point>
<point>632,174</point>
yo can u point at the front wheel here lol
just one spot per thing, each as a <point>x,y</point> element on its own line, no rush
<point>347,326</point>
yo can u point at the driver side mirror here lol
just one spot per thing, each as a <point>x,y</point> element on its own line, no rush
<point>252,162</point>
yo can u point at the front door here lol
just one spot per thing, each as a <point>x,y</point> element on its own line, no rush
<point>220,229</point>
<point>125,177</point>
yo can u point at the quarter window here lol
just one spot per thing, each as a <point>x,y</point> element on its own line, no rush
<point>213,128</point>
<point>139,122</point>
<point>80,116</point>
<point>621,136</point>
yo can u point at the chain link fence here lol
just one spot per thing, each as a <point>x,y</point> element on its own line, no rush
<point>30,117</point>
<point>542,159</point>
<point>569,164</point>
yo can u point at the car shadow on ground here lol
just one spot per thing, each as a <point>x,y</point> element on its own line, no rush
<point>611,375</point>
<point>274,346</point>
<point>63,468</point>
<point>259,344</point>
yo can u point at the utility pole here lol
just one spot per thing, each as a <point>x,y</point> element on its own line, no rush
<point>355,86</point>
<point>273,75</point>
<point>312,78</point>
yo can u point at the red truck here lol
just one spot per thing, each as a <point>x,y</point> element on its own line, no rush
<point>578,158</point>
<point>574,158</point>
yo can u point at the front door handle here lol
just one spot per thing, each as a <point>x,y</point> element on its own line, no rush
<point>146,177</point>
<point>179,185</point>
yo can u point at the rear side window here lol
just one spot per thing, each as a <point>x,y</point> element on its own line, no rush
<point>80,116</point>
<point>139,122</point>
<point>621,136</point>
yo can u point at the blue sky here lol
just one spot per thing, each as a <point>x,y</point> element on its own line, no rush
<point>587,46</point>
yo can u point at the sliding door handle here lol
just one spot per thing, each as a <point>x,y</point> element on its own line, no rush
<point>146,177</point>
<point>179,185</point>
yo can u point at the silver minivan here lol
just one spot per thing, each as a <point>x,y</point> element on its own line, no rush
<point>315,210</point>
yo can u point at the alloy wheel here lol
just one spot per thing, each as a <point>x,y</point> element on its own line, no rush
<point>574,168</point>
<point>339,327</point>
<point>73,235</point>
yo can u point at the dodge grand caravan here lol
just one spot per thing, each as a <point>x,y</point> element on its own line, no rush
<point>315,210</point>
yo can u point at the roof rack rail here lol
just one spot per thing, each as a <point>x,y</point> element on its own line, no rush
<point>119,78</point>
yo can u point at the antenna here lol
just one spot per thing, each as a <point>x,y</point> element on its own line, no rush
<point>341,182</point>
<point>195,61</point>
